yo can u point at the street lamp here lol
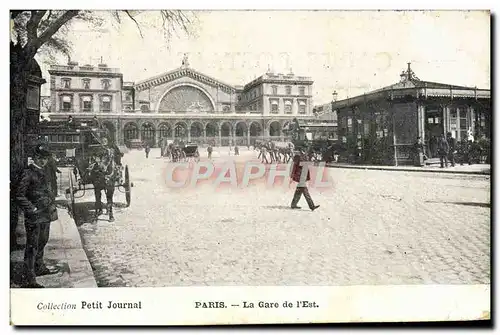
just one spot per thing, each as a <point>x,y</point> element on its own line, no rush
<point>335,95</point>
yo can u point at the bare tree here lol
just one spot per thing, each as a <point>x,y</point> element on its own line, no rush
<point>44,31</point>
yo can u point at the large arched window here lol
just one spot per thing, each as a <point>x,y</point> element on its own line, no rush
<point>165,131</point>
<point>148,132</point>
<point>180,130</point>
<point>131,132</point>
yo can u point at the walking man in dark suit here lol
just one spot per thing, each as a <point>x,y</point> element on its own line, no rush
<point>302,184</point>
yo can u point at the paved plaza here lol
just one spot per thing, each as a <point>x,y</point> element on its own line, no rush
<point>373,227</point>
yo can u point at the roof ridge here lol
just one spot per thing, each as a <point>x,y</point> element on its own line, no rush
<point>145,81</point>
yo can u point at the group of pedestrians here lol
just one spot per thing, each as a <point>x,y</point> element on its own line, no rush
<point>447,149</point>
<point>35,195</point>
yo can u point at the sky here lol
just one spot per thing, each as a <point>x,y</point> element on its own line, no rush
<point>351,52</point>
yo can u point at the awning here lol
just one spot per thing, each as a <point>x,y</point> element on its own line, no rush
<point>288,102</point>
<point>106,99</point>
<point>302,103</point>
<point>66,98</point>
<point>274,102</point>
<point>87,98</point>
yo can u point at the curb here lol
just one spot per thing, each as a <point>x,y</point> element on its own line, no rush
<point>361,167</point>
<point>80,271</point>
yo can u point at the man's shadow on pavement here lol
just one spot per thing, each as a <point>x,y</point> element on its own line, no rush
<point>285,207</point>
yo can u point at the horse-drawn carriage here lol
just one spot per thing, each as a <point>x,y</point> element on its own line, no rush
<point>315,140</point>
<point>180,152</point>
<point>90,148</point>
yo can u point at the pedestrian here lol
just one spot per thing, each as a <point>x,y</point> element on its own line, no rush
<point>102,173</point>
<point>209,151</point>
<point>34,196</point>
<point>263,154</point>
<point>419,152</point>
<point>147,149</point>
<point>296,176</point>
<point>51,172</point>
<point>236,151</point>
<point>443,150</point>
<point>452,146</point>
<point>162,147</point>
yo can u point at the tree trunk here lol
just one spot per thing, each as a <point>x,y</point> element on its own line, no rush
<point>19,68</point>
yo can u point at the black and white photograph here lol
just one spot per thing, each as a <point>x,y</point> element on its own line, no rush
<point>247,148</point>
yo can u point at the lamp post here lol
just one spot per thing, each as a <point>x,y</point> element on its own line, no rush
<point>334,96</point>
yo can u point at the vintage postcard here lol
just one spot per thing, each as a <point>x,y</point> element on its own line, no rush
<point>172,167</point>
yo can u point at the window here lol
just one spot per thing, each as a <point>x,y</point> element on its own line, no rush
<point>349,124</point>
<point>106,84</point>
<point>226,108</point>
<point>144,108</point>
<point>128,96</point>
<point>289,90</point>
<point>302,107</point>
<point>302,90</point>
<point>274,89</point>
<point>453,120</point>
<point>274,106</point>
<point>86,84</point>
<point>288,106</point>
<point>105,103</point>
<point>128,109</point>
<point>66,103</point>
<point>66,82</point>
<point>86,102</point>
<point>462,114</point>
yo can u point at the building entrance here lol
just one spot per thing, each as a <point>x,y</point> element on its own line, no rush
<point>434,127</point>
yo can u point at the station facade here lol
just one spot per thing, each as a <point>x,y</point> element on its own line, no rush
<point>182,104</point>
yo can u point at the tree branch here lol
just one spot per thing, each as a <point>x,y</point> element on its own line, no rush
<point>15,13</point>
<point>32,25</point>
<point>50,31</point>
<point>136,23</point>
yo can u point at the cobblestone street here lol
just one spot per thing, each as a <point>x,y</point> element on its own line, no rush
<point>373,227</point>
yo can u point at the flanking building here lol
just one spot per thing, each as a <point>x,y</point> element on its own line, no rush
<point>382,126</point>
<point>182,104</point>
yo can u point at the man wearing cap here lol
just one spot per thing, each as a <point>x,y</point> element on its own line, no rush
<point>35,198</point>
<point>103,173</point>
<point>301,186</point>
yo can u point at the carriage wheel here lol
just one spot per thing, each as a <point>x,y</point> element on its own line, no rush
<point>127,186</point>
<point>70,195</point>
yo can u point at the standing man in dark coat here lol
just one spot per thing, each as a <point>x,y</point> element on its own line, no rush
<point>302,184</point>
<point>443,150</point>
<point>35,198</point>
<point>51,172</point>
<point>452,146</point>
<point>147,149</point>
<point>103,174</point>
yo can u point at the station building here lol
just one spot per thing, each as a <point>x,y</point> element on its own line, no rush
<point>182,104</point>
<point>382,126</point>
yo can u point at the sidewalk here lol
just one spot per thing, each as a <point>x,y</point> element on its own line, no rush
<point>63,252</point>
<point>478,169</point>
